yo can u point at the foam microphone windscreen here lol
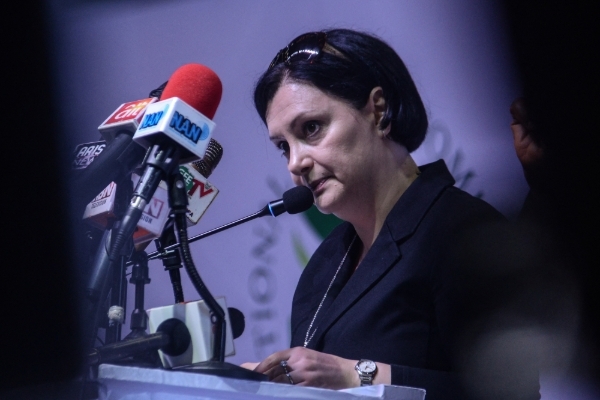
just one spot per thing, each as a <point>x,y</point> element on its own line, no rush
<point>297,199</point>
<point>198,86</point>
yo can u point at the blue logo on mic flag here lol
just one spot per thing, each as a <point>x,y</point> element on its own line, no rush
<point>189,129</point>
<point>153,119</point>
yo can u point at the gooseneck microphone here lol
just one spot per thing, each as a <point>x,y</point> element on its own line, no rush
<point>294,201</point>
<point>173,263</point>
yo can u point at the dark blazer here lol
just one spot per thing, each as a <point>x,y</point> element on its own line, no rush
<point>396,308</point>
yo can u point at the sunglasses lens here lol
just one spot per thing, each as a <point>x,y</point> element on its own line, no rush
<point>304,47</point>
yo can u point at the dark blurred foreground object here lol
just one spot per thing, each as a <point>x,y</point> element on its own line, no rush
<point>555,127</point>
<point>41,352</point>
<point>530,300</point>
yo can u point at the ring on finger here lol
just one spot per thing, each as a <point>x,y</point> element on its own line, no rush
<point>289,378</point>
<point>284,365</point>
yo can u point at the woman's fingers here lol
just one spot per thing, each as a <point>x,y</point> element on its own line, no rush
<point>249,365</point>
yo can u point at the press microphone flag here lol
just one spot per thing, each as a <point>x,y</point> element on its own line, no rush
<point>116,159</point>
<point>201,193</point>
<point>126,117</point>
<point>86,153</point>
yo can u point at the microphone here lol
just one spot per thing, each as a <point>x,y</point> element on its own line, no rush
<point>100,179</point>
<point>212,157</point>
<point>116,159</point>
<point>181,333</point>
<point>197,318</point>
<point>295,200</point>
<point>85,153</point>
<point>201,193</point>
<point>181,120</point>
<point>172,337</point>
<point>175,129</point>
<point>197,356</point>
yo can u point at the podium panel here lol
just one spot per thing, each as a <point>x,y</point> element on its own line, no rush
<point>129,383</point>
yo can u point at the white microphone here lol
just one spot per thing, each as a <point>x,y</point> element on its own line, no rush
<point>197,317</point>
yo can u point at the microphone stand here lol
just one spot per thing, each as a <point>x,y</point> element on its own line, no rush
<point>118,291</point>
<point>99,286</point>
<point>217,365</point>
<point>139,320</point>
<point>172,263</point>
<point>140,277</point>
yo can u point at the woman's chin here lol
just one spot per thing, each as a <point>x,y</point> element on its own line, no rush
<point>325,206</point>
<point>322,210</point>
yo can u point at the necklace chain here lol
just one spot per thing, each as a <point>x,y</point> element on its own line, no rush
<point>308,338</point>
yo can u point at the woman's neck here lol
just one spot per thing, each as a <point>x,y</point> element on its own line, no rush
<point>374,211</point>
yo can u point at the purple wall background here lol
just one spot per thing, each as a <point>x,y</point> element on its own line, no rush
<point>109,53</point>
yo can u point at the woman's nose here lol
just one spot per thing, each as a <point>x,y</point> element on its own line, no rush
<point>300,161</point>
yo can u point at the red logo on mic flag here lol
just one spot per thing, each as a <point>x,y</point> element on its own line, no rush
<point>199,190</point>
<point>129,111</point>
<point>205,188</point>
<point>154,207</point>
<point>127,117</point>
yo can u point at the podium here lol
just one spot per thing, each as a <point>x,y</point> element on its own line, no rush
<point>125,383</point>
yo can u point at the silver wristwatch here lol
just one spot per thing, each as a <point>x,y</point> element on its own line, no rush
<point>366,371</point>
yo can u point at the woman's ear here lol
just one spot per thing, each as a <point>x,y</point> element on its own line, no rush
<point>379,108</point>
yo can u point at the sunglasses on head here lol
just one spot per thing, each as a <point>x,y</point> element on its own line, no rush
<point>306,47</point>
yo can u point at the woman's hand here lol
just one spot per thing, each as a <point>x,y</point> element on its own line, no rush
<point>249,365</point>
<point>310,368</point>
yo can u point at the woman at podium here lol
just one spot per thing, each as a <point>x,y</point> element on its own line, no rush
<point>380,300</point>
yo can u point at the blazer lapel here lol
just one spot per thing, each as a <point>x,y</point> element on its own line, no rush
<point>402,221</point>
<point>382,256</point>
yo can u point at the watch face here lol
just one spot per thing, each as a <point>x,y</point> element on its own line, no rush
<point>367,366</point>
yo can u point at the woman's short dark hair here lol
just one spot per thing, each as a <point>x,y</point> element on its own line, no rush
<point>369,62</point>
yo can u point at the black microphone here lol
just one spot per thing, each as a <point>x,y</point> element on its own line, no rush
<point>172,337</point>
<point>117,159</point>
<point>237,320</point>
<point>294,201</point>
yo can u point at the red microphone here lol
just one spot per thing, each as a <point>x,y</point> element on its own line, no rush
<point>198,86</point>
<point>182,117</point>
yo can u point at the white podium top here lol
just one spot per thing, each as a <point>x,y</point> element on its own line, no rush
<point>129,383</point>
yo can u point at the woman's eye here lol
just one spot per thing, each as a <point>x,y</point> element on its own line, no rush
<point>284,147</point>
<point>311,127</point>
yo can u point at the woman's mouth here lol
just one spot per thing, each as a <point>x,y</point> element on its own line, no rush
<point>317,185</point>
